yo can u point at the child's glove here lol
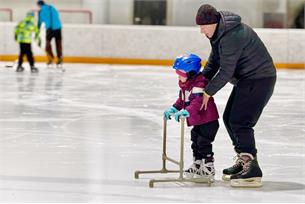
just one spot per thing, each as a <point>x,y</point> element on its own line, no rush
<point>183,113</point>
<point>167,114</point>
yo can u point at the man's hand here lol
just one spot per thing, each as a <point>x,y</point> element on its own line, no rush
<point>205,101</point>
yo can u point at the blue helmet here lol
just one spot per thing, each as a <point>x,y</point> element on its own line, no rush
<point>30,14</point>
<point>188,63</point>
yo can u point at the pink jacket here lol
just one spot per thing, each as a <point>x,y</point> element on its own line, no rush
<point>190,99</point>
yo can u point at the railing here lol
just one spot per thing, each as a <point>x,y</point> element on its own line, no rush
<point>88,12</point>
<point>73,11</point>
<point>9,11</point>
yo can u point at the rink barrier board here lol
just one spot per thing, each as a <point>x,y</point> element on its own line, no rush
<point>129,61</point>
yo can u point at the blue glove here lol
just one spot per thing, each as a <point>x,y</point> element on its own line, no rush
<point>183,113</point>
<point>171,111</point>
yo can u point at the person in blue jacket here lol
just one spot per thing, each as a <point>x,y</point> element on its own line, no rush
<point>50,17</point>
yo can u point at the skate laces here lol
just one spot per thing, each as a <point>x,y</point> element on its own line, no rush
<point>246,165</point>
<point>238,161</point>
<point>207,169</point>
<point>193,168</point>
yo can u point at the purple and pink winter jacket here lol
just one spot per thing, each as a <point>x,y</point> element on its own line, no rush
<point>190,99</point>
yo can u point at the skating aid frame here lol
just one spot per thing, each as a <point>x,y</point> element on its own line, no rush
<point>180,163</point>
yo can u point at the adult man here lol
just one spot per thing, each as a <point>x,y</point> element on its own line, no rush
<point>50,16</point>
<point>238,56</point>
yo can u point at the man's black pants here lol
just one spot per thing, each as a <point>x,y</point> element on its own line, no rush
<point>58,41</point>
<point>244,107</point>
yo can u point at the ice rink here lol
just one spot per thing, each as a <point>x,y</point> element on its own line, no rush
<point>78,136</point>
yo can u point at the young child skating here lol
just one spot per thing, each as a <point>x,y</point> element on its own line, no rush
<point>205,122</point>
<point>23,35</point>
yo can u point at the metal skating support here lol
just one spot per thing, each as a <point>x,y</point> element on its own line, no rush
<point>180,163</point>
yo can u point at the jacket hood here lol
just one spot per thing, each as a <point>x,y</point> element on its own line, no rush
<point>29,19</point>
<point>227,22</point>
<point>190,82</point>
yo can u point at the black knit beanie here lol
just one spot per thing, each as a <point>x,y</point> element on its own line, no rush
<point>207,14</point>
<point>40,3</point>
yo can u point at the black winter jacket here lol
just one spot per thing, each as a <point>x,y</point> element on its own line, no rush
<point>237,54</point>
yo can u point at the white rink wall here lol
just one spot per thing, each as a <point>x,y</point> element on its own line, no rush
<point>153,42</point>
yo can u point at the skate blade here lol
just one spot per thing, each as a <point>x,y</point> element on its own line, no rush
<point>50,66</point>
<point>59,66</point>
<point>254,182</point>
<point>188,175</point>
<point>226,177</point>
<point>203,179</point>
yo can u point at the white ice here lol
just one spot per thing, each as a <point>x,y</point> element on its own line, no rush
<point>78,136</point>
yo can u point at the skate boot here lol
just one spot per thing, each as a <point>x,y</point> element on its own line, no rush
<point>236,168</point>
<point>250,176</point>
<point>192,170</point>
<point>206,170</point>
<point>34,69</point>
<point>50,61</point>
<point>59,62</point>
<point>19,69</point>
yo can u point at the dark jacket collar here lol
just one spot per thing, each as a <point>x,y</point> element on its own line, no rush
<point>227,22</point>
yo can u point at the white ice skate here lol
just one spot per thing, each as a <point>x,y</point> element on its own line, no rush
<point>193,169</point>
<point>206,171</point>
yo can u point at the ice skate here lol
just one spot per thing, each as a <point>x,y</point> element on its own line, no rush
<point>251,174</point>
<point>50,64</point>
<point>192,170</point>
<point>50,61</point>
<point>34,69</point>
<point>206,170</point>
<point>59,64</point>
<point>236,168</point>
<point>19,69</point>
<point>60,61</point>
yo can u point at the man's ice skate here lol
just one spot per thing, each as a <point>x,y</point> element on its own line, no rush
<point>49,63</point>
<point>34,70</point>
<point>19,69</point>
<point>206,170</point>
<point>236,168</point>
<point>192,170</point>
<point>59,64</point>
<point>250,176</point>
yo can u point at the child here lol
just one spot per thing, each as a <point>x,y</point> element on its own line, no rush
<point>23,35</point>
<point>205,122</point>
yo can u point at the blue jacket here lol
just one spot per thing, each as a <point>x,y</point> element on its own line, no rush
<point>50,16</point>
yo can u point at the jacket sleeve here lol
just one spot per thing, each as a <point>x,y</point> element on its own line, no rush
<point>179,102</point>
<point>42,17</point>
<point>212,66</point>
<point>230,51</point>
<point>196,101</point>
<point>39,19</point>
<point>17,29</point>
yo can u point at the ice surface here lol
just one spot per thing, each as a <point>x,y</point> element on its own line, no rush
<point>79,136</point>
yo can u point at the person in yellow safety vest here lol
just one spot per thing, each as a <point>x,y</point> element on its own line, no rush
<point>23,35</point>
